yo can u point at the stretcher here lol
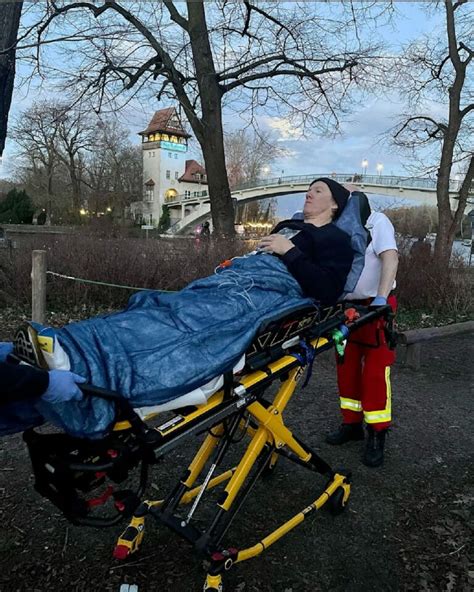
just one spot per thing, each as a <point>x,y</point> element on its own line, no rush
<point>80,476</point>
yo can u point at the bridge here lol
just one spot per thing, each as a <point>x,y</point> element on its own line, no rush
<point>194,209</point>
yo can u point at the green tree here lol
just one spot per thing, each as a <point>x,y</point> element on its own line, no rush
<point>16,208</point>
<point>165,220</point>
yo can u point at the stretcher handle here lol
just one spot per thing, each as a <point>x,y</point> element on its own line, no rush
<point>374,313</point>
<point>95,391</point>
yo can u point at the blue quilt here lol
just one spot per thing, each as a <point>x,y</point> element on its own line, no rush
<point>164,345</point>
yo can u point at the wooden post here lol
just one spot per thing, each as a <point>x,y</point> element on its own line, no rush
<point>38,287</point>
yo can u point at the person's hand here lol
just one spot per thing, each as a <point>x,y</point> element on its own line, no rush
<point>379,301</point>
<point>6,347</point>
<point>63,387</point>
<point>275,243</point>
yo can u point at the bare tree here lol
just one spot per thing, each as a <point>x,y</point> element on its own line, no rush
<point>75,138</point>
<point>9,23</point>
<point>438,80</point>
<point>113,172</point>
<point>248,155</point>
<point>36,133</point>
<point>296,58</point>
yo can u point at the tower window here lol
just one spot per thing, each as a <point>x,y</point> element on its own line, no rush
<point>168,174</point>
<point>170,155</point>
<point>176,175</point>
<point>175,156</point>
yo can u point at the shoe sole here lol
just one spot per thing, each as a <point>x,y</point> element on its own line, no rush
<point>26,347</point>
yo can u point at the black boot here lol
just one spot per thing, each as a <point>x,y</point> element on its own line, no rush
<point>346,433</point>
<point>373,453</point>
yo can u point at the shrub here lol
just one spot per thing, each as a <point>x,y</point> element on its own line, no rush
<point>16,208</point>
<point>424,285</point>
<point>165,264</point>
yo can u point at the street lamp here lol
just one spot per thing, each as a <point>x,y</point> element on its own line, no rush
<point>379,168</point>
<point>364,164</point>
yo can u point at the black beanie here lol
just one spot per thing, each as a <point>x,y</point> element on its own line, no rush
<point>339,193</point>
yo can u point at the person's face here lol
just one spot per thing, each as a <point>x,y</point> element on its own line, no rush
<point>319,200</point>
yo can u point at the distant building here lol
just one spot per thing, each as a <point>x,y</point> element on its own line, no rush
<point>166,172</point>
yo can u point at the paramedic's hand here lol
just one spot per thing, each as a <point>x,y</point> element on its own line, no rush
<point>379,301</point>
<point>275,243</point>
<point>5,348</point>
<point>63,387</point>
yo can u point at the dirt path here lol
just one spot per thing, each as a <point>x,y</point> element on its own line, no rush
<point>407,527</point>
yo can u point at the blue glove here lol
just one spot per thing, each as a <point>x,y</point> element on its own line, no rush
<point>63,387</point>
<point>379,301</point>
<point>344,330</point>
<point>6,347</point>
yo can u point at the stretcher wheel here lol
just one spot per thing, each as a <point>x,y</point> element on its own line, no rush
<point>336,503</point>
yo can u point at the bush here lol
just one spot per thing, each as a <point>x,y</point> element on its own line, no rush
<point>16,208</point>
<point>164,264</point>
<point>424,285</point>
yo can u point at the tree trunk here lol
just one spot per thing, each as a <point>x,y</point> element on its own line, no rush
<point>9,22</point>
<point>211,135</point>
<point>447,221</point>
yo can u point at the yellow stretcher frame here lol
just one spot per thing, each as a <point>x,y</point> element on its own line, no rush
<point>63,465</point>
<point>268,432</point>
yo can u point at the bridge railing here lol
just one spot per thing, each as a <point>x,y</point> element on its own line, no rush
<point>353,178</point>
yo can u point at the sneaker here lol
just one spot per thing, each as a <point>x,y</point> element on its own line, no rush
<point>373,453</point>
<point>26,347</point>
<point>346,433</point>
<point>38,345</point>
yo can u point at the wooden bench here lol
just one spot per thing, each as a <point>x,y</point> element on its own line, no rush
<point>414,338</point>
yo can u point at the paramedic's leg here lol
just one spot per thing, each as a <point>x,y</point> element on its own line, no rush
<point>377,398</point>
<point>349,378</point>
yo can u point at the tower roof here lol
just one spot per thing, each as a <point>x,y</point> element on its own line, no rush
<point>166,121</point>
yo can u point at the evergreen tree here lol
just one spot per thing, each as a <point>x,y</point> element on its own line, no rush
<point>164,222</point>
<point>16,208</point>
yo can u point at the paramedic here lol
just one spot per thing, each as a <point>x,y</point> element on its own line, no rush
<point>26,382</point>
<point>364,373</point>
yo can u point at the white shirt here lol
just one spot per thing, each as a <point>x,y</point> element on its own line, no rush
<point>383,239</point>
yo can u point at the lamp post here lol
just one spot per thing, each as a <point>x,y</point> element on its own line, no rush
<point>364,164</point>
<point>379,168</point>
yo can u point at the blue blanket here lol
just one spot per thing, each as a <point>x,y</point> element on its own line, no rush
<point>164,345</point>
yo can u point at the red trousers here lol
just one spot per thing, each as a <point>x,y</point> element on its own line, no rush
<point>364,376</point>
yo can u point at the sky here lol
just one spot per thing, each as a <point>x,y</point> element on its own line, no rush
<point>359,138</point>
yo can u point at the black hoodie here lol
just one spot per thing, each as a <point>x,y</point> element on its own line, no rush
<point>320,260</point>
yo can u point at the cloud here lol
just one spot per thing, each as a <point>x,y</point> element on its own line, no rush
<point>286,130</point>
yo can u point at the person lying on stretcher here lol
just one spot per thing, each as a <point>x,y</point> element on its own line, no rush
<point>164,345</point>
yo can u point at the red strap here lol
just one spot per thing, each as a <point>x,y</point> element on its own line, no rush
<point>101,499</point>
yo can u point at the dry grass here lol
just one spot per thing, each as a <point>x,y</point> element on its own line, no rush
<point>165,264</point>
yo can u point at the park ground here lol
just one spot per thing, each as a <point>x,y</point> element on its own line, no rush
<point>408,525</point>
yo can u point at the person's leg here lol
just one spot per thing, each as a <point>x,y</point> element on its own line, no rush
<point>377,397</point>
<point>349,379</point>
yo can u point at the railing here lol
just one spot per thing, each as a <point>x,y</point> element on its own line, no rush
<point>358,179</point>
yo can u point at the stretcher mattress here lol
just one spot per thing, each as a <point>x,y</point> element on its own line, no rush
<point>164,345</point>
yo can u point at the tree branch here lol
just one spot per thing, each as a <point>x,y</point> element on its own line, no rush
<point>439,126</point>
<point>266,15</point>
<point>175,15</point>
<point>300,71</point>
<point>451,32</point>
<point>466,110</point>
